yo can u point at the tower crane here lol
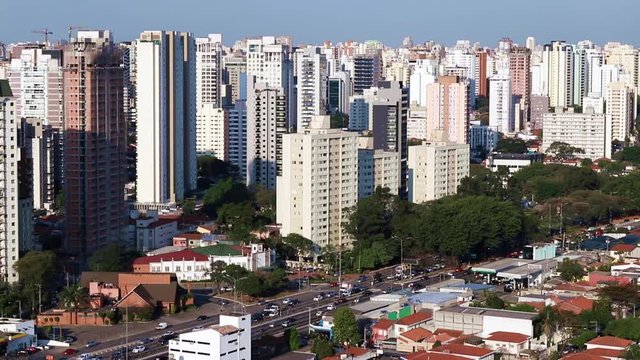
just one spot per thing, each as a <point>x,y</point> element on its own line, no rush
<point>46,34</point>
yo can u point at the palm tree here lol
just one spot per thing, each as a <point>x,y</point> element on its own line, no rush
<point>74,297</point>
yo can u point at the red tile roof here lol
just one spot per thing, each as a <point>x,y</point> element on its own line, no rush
<point>186,254</point>
<point>609,353</point>
<point>416,318</point>
<point>623,247</point>
<point>383,324</point>
<point>418,334</point>
<point>189,236</point>
<point>510,337</point>
<point>463,350</point>
<point>610,341</point>
<point>423,355</point>
<point>355,351</point>
<point>454,333</point>
<point>583,356</point>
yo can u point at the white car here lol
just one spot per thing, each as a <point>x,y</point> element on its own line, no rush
<point>138,349</point>
<point>317,298</point>
<point>198,328</point>
<point>286,301</point>
<point>319,313</point>
<point>273,314</point>
<point>84,356</point>
<point>331,307</point>
<point>162,326</point>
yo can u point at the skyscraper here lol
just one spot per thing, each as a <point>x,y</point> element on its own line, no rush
<point>620,105</point>
<point>166,163</point>
<point>311,76</point>
<point>212,132</point>
<point>501,114</point>
<point>448,110</point>
<point>557,73</point>
<point>94,142</point>
<point>519,73</point>
<point>238,137</point>
<point>208,70</point>
<point>319,181</point>
<point>367,71</point>
<point>338,92</point>
<point>266,123</point>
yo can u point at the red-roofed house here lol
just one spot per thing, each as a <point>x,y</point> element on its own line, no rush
<point>575,305</point>
<point>609,342</point>
<point>354,353</point>
<point>428,355</point>
<point>382,330</point>
<point>186,264</point>
<point>601,277</point>
<point>466,351</point>
<point>583,356</point>
<point>621,251</point>
<point>419,319</point>
<point>504,342</point>
<point>606,353</point>
<point>420,339</point>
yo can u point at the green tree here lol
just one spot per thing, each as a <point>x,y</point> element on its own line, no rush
<point>113,258</point>
<point>224,192</point>
<point>188,206</point>
<point>74,297</point>
<point>621,296</point>
<point>523,307</point>
<point>339,120</point>
<point>564,151</point>
<point>632,352</point>
<point>212,168</point>
<point>583,337</point>
<point>300,244</point>
<point>570,270</point>
<point>611,167</point>
<point>266,203</point>
<point>493,301</point>
<point>511,146</point>
<point>251,285</point>
<point>58,205</point>
<point>237,219</point>
<point>217,272</point>
<point>322,348</point>
<point>628,328</point>
<point>345,327</point>
<point>294,338</point>
<point>586,162</point>
<point>629,153</point>
<point>36,267</point>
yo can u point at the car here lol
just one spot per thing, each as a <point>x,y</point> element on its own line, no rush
<point>273,314</point>
<point>286,323</point>
<point>341,301</point>
<point>257,317</point>
<point>331,307</point>
<point>138,349</point>
<point>356,300</point>
<point>162,326</point>
<point>272,325</point>
<point>198,328</point>
<point>224,302</point>
<point>286,301</point>
<point>91,343</point>
<point>162,341</point>
<point>202,317</point>
<point>144,341</point>
<point>69,339</point>
<point>411,285</point>
<point>391,277</point>
<point>69,352</point>
<point>318,297</point>
<point>319,313</point>
<point>169,334</point>
<point>262,302</point>
<point>84,356</point>
<point>294,302</point>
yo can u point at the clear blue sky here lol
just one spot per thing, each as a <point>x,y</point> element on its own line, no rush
<point>313,21</point>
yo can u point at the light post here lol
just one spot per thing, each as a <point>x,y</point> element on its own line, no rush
<point>235,290</point>
<point>309,325</point>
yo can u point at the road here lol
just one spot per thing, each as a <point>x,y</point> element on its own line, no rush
<point>300,315</point>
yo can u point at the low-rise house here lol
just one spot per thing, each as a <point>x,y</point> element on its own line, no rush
<point>473,320</point>
<point>428,355</point>
<point>148,231</point>
<point>420,339</point>
<point>465,351</point>
<point>382,330</point>
<point>186,264</point>
<point>608,342</point>
<point>621,251</point>
<point>608,354</point>
<point>418,319</point>
<point>503,342</point>
<point>603,277</point>
<point>354,353</point>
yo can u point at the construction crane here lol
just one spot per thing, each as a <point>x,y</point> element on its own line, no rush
<point>75,27</point>
<point>46,34</point>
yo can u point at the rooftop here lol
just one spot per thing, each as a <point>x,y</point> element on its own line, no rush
<point>610,341</point>
<point>416,318</point>
<point>491,312</point>
<point>417,334</point>
<point>225,329</point>
<point>219,250</point>
<point>423,355</point>
<point>464,350</point>
<point>186,254</point>
<point>383,324</point>
<point>432,297</point>
<point>510,337</point>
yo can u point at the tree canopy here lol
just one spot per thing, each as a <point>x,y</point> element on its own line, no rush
<point>564,151</point>
<point>224,192</point>
<point>511,146</point>
<point>322,347</point>
<point>36,267</point>
<point>113,258</point>
<point>570,270</point>
<point>345,327</point>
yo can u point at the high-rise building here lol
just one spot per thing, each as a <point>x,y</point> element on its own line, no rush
<point>338,92</point>
<point>212,131</point>
<point>129,59</point>
<point>501,105</point>
<point>266,123</point>
<point>311,77</point>
<point>41,140</point>
<point>359,110</point>
<point>626,57</point>
<point>482,78</point>
<point>483,137</point>
<point>425,73</point>
<point>376,168</point>
<point>238,137</point>
<point>539,107</point>
<point>417,123</point>
<point>588,131</point>
<point>208,70</point>
<point>94,142</point>
<point>519,73</point>
<point>35,77</point>
<point>448,110</point>
<point>436,169</point>
<point>557,73</point>
<point>16,208</point>
<point>620,104</point>
<point>389,125</point>
<point>319,181</point>
<point>367,71</point>
<point>166,163</point>
<point>235,74</point>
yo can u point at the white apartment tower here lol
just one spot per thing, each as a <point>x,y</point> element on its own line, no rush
<point>311,75</point>
<point>501,114</point>
<point>588,131</point>
<point>626,57</point>
<point>229,340</point>
<point>212,131</point>
<point>238,137</point>
<point>208,70</point>
<point>166,69</point>
<point>557,72</point>
<point>266,123</point>
<point>620,104</point>
<point>319,181</point>
<point>436,169</point>
<point>376,168</point>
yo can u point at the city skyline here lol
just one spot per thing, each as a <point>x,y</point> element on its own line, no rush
<point>473,21</point>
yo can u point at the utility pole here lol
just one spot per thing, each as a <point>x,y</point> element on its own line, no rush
<point>126,332</point>
<point>39,298</point>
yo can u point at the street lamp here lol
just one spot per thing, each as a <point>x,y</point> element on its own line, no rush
<point>235,289</point>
